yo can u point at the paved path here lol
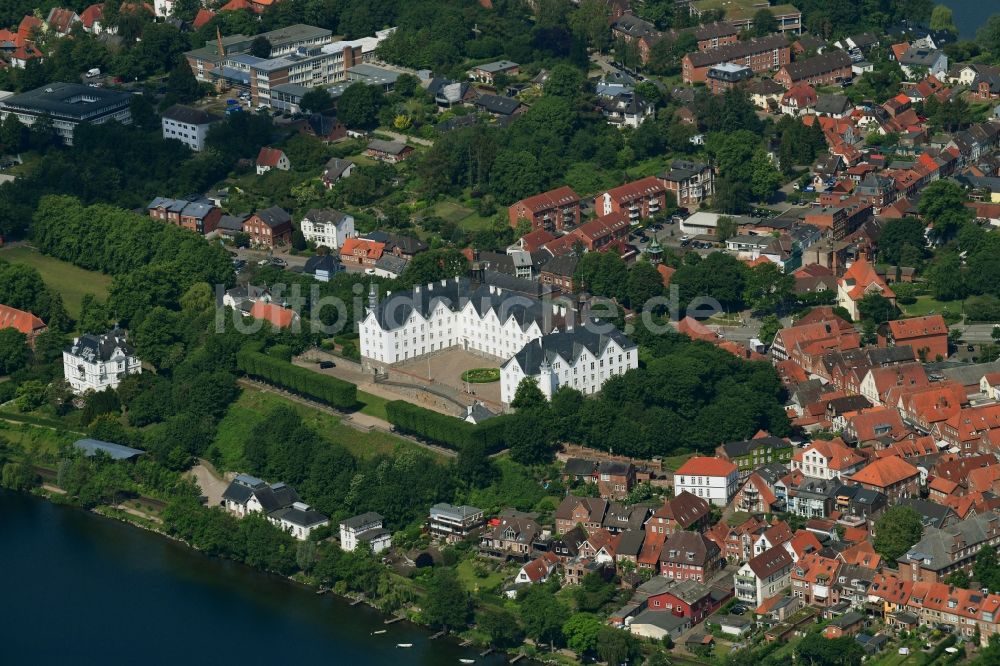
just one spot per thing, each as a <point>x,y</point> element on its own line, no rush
<point>405,138</point>
<point>211,483</point>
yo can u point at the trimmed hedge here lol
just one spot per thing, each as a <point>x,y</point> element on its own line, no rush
<point>448,431</point>
<point>330,390</point>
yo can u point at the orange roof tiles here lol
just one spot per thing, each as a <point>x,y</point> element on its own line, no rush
<point>269,156</point>
<point>25,322</point>
<point>277,315</point>
<point>904,329</point>
<point>864,424</point>
<point>369,249</point>
<point>838,455</point>
<point>202,17</point>
<point>91,15</point>
<point>561,196</point>
<point>636,189</point>
<point>535,239</point>
<point>666,272</point>
<point>704,466</point>
<point>694,329</point>
<point>861,277</point>
<point>885,472</point>
<point>803,543</point>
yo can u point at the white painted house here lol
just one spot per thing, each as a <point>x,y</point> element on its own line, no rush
<point>97,362</point>
<point>327,227</point>
<point>712,479</point>
<point>188,125</point>
<point>763,576</point>
<point>366,528</point>
<point>278,502</point>
<point>827,459</point>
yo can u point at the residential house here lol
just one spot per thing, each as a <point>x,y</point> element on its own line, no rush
<point>761,55</point>
<point>689,556</point>
<point>60,21</point>
<point>764,576</point>
<point>278,502</point>
<point>954,548</point>
<point>269,228</point>
<point>640,199</point>
<point>811,497</point>
<point>322,266</point>
<point>821,70</point>
<point>555,209</point>
<point>392,152</point>
<point>690,182</point>
<point>756,496</point>
<point>891,476</point>
<point>710,478</point>
<point>199,216</point>
<point>361,252</point>
<point>848,624</point>
<point>827,459</point>
<point>24,322</point>
<point>684,511</point>
<point>928,335</point>
<point>510,535</point>
<point>932,514</point>
<point>451,523</point>
<point>727,76</point>
<point>99,362</point>
<point>918,61</point>
<point>272,158</point>
<point>602,233</point>
<point>585,511</point>
<point>399,245</point>
<point>327,227</point>
<point>336,169</point>
<point>625,109</point>
<point>750,454</point>
<point>798,100</point>
<point>881,384</point>
<point>813,578</point>
<point>498,106</point>
<point>536,571</point>
<point>276,315</point>
<point>299,520</point>
<point>687,598</point>
<point>615,479</point>
<point>859,281</point>
<point>366,528</point>
<point>488,71</point>
<point>579,470</point>
<point>625,517</point>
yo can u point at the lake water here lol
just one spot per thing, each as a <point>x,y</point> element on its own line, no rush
<point>971,14</point>
<point>76,588</point>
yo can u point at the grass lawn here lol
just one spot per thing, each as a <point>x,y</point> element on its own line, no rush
<point>36,438</point>
<point>454,212</point>
<point>252,406</point>
<point>926,305</point>
<point>738,518</point>
<point>673,462</point>
<point>467,575</point>
<point>373,405</point>
<point>71,282</point>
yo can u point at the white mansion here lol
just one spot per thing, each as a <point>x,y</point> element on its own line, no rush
<point>519,332</point>
<point>97,362</point>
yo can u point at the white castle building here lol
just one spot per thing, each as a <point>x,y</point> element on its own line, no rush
<point>97,362</point>
<point>519,332</point>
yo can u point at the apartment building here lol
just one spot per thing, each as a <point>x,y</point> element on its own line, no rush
<point>760,55</point>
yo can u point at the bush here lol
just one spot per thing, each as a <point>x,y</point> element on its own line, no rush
<point>330,390</point>
<point>481,375</point>
<point>448,431</point>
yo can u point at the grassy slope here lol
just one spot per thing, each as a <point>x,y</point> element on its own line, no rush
<point>250,408</point>
<point>71,282</point>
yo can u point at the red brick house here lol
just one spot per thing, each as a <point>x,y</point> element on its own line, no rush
<point>812,579</point>
<point>761,55</point>
<point>891,476</point>
<point>603,233</point>
<point>555,209</point>
<point>269,227</point>
<point>686,511</point>
<point>831,67</point>
<point>586,511</point>
<point>615,479</point>
<point>639,199</point>
<point>689,556</point>
<point>927,335</point>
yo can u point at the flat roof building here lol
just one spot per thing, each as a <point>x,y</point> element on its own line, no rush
<point>68,105</point>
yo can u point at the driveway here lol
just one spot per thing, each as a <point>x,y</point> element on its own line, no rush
<point>211,483</point>
<point>405,138</point>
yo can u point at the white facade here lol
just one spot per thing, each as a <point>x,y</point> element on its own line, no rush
<point>163,7</point>
<point>94,363</point>
<point>366,528</point>
<point>190,134</point>
<point>718,490</point>
<point>444,326</point>
<point>815,461</point>
<point>586,373</point>
<point>763,576</point>
<point>330,234</point>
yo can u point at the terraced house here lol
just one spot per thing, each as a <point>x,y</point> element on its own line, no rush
<point>750,454</point>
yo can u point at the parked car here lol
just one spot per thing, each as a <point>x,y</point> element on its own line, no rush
<point>325,365</point>
<point>278,261</point>
<point>264,262</point>
<point>970,348</point>
<point>685,243</point>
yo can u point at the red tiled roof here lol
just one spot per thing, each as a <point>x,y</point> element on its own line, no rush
<point>235,5</point>
<point>277,315</point>
<point>885,472</point>
<point>372,249</point>
<point>704,466</point>
<point>915,327</point>
<point>25,322</point>
<point>202,17</point>
<point>865,423</point>
<point>666,272</point>
<point>695,330</point>
<point>61,20</point>
<point>600,227</point>
<point>561,196</point>
<point>91,15</point>
<point>860,277</point>
<point>535,239</point>
<point>639,188</point>
<point>269,156</point>
<point>28,24</point>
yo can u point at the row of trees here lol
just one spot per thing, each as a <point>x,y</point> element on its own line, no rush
<point>324,388</point>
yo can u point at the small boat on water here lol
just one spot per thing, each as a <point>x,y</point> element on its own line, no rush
<point>404,645</point>
<point>467,661</point>
<point>379,632</point>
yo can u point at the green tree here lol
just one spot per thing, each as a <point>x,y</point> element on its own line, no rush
<point>958,579</point>
<point>182,85</point>
<point>986,570</point>
<point>530,439</point>
<point>942,205</point>
<point>515,175</point>
<point>316,100</point>
<point>501,626</point>
<point>768,288</point>
<point>447,604</point>
<point>616,646</point>
<point>726,228</point>
<point>528,396</point>
<point>769,328</point>
<point>819,651</point>
<point>943,19</point>
<point>897,235</point>
<point>946,278</point>
<point>581,631</point>
<point>13,350</point>
<point>30,395</point>
<point>988,35</point>
<point>644,283</point>
<point>543,615</point>
<point>877,309</point>
<point>764,23</point>
<point>565,81</point>
<point>896,531</point>
<point>260,47</point>
<point>359,105</point>
<point>765,179</point>
<point>589,24</point>
<point>473,465</point>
